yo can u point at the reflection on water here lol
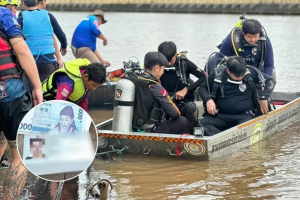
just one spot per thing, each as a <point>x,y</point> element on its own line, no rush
<point>267,170</point>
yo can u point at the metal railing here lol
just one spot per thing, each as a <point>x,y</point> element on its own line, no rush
<point>173,1</point>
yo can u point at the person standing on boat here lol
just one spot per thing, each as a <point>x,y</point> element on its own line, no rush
<point>250,41</point>
<point>38,30</point>
<point>176,80</point>
<point>74,82</point>
<point>16,99</point>
<point>151,98</point>
<point>85,36</point>
<point>61,36</point>
<point>230,96</point>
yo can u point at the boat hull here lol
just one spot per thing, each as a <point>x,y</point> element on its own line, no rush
<point>200,148</point>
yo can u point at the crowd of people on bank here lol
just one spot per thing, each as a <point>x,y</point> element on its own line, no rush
<point>235,86</point>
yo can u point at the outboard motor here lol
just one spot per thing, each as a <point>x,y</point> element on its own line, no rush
<point>123,105</point>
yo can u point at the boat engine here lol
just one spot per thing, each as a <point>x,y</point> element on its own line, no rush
<point>123,105</point>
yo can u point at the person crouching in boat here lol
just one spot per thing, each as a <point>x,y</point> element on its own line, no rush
<point>74,81</point>
<point>151,99</point>
<point>230,96</point>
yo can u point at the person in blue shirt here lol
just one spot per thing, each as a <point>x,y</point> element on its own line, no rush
<point>250,42</point>
<point>85,36</point>
<point>38,30</point>
<point>16,99</point>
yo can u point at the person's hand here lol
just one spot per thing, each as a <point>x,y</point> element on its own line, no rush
<point>104,62</point>
<point>181,94</point>
<point>63,51</point>
<point>211,107</point>
<point>264,106</point>
<point>37,96</point>
<point>105,42</point>
<point>60,63</point>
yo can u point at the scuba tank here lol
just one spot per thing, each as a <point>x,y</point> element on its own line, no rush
<point>123,105</point>
<point>124,99</point>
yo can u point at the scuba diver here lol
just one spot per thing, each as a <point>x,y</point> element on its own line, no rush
<point>230,95</point>
<point>176,80</point>
<point>151,99</point>
<point>249,40</point>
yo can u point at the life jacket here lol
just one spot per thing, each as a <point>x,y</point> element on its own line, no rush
<point>72,70</point>
<point>219,77</point>
<point>147,110</point>
<point>38,31</point>
<point>8,66</point>
<point>237,43</point>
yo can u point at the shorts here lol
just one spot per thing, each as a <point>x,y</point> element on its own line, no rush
<point>12,113</point>
<point>86,52</point>
<point>46,69</point>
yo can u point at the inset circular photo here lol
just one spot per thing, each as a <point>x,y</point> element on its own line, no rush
<point>57,140</point>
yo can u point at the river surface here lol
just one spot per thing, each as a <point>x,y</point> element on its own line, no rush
<point>268,170</point>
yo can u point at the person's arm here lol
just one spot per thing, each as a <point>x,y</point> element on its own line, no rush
<point>57,54</point>
<point>191,69</point>
<point>205,95</point>
<point>85,101</point>
<point>65,87</point>
<point>61,36</point>
<point>269,60</point>
<point>16,38</point>
<point>101,59</point>
<point>199,73</point>
<point>27,63</point>
<point>162,96</point>
<point>102,37</point>
<point>264,93</point>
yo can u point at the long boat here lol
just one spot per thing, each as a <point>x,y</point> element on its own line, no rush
<point>206,147</point>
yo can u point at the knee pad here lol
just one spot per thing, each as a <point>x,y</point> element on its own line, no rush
<point>191,110</point>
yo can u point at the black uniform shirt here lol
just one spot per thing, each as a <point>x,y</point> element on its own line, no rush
<point>235,98</point>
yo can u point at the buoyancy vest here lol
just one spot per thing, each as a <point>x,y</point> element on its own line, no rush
<point>147,110</point>
<point>72,70</point>
<point>38,31</point>
<point>8,66</point>
<point>219,77</point>
<point>237,43</point>
<point>177,73</point>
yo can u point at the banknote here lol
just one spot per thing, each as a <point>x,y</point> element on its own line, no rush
<point>55,118</point>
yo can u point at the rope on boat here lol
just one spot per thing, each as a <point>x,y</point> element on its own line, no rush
<point>102,185</point>
<point>178,144</point>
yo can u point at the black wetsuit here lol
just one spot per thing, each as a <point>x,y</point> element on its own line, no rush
<point>171,82</point>
<point>233,101</point>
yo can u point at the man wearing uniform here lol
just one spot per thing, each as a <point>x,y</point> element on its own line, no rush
<point>85,36</point>
<point>151,99</point>
<point>38,30</point>
<point>74,82</point>
<point>250,41</point>
<point>15,97</point>
<point>176,80</point>
<point>231,96</point>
